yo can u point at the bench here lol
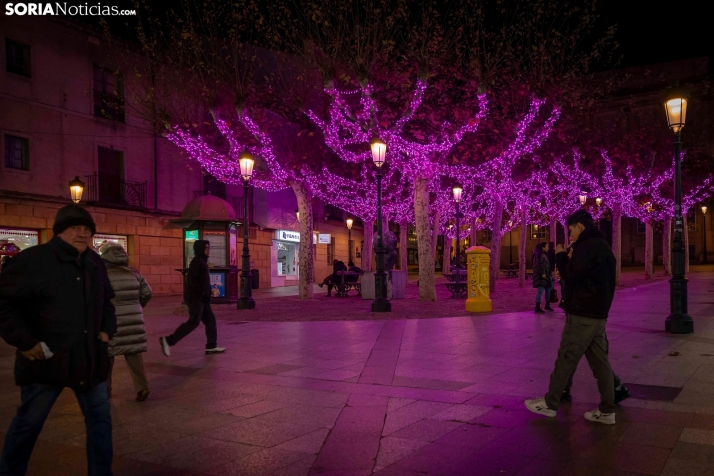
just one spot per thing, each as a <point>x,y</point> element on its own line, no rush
<point>344,287</point>
<point>457,282</point>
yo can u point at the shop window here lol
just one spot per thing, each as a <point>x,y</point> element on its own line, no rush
<point>108,94</point>
<point>98,240</point>
<point>287,258</point>
<point>17,58</point>
<point>217,240</point>
<point>17,153</point>
<point>411,233</point>
<point>22,239</point>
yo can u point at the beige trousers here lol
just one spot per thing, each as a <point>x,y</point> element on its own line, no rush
<point>136,369</point>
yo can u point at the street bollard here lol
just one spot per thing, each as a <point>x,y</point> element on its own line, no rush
<point>478,259</point>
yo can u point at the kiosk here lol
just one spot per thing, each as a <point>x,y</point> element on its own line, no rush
<point>214,220</point>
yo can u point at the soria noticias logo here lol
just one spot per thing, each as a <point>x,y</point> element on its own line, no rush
<point>62,8</point>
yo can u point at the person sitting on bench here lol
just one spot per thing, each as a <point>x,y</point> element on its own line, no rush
<point>333,280</point>
<point>353,269</point>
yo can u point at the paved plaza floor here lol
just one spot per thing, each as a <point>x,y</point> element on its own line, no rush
<point>402,397</point>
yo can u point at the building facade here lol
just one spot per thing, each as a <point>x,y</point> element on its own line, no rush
<point>65,114</point>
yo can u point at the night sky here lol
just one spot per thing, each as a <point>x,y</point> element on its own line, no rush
<point>647,31</point>
<point>653,32</point>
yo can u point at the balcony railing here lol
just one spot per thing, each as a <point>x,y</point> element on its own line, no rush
<point>124,193</point>
<point>236,203</point>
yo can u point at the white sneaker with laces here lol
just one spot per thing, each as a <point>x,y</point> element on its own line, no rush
<point>216,350</point>
<point>600,417</point>
<point>165,348</point>
<point>539,406</point>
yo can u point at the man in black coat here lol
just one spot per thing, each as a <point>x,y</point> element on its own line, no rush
<point>56,309</point>
<point>197,295</point>
<point>589,277</point>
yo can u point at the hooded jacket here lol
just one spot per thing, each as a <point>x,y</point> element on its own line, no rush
<point>132,294</point>
<point>198,279</point>
<point>541,266</point>
<point>589,276</point>
<point>50,293</point>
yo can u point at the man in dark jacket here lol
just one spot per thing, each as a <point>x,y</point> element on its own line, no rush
<point>589,277</point>
<point>197,295</point>
<point>56,309</point>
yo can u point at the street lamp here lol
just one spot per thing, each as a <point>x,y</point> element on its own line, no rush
<point>380,303</point>
<point>678,321</point>
<point>458,191</point>
<point>297,214</point>
<point>704,227</point>
<point>245,301</point>
<point>76,187</point>
<point>583,197</point>
<point>598,201</point>
<point>349,222</point>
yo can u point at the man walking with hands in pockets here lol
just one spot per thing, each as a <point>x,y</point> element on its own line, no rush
<point>589,277</point>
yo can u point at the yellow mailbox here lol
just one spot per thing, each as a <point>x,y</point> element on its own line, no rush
<point>478,261</point>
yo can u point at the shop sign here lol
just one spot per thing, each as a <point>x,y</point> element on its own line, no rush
<point>191,235</point>
<point>324,239</point>
<point>287,235</point>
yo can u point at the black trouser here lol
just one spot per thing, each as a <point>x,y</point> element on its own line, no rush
<point>197,312</point>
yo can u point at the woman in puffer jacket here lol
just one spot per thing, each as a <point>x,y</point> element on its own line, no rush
<point>132,294</point>
<point>542,280</point>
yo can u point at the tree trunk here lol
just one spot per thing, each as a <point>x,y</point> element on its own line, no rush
<point>522,249</point>
<point>306,259</point>
<point>447,255</point>
<point>553,230</point>
<point>473,236</point>
<point>435,235</point>
<point>495,245</point>
<point>649,245</point>
<point>685,233</point>
<point>403,227</point>
<point>367,245</point>
<point>427,288</point>
<point>667,246</point>
<point>617,240</point>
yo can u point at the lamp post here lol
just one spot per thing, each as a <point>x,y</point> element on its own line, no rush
<point>583,197</point>
<point>76,187</point>
<point>678,321</point>
<point>245,301</point>
<point>704,227</point>
<point>458,191</point>
<point>349,222</point>
<point>380,303</point>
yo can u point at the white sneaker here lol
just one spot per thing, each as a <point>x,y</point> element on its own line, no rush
<point>216,350</point>
<point>165,347</point>
<point>538,406</point>
<point>600,417</point>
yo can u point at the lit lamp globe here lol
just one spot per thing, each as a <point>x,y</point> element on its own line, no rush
<point>246,165</point>
<point>297,213</point>
<point>704,209</point>
<point>76,187</point>
<point>676,109</point>
<point>583,197</point>
<point>379,149</point>
<point>458,191</point>
<point>349,222</point>
<point>598,201</point>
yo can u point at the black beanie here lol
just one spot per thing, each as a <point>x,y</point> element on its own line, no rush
<point>73,215</point>
<point>199,247</point>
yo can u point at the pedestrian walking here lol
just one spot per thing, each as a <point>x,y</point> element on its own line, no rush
<point>198,299</point>
<point>542,277</point>
<point>132,295</point>
<point>589,277</point>
<point>56,309</point>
